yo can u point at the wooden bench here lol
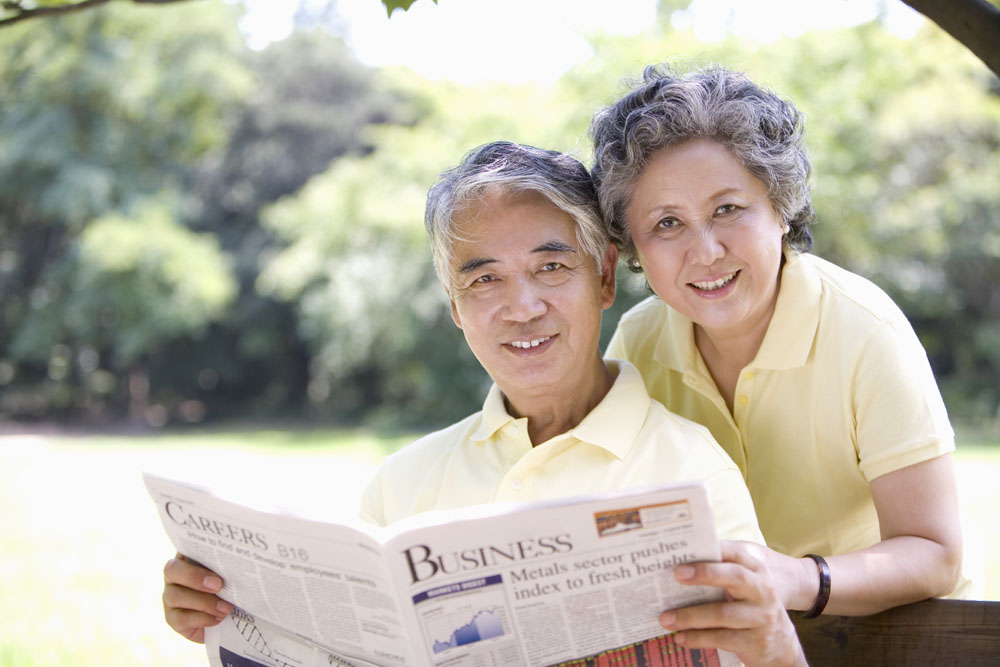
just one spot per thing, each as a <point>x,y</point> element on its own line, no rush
<point>953,633</point>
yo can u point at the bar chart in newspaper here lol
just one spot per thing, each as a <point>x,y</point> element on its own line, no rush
<point>656,652</point>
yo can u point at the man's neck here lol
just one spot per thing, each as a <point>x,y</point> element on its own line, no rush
<point>553,411</point>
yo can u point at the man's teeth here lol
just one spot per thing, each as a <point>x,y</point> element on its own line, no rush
<point>530,343</point>
<point>715,284</point>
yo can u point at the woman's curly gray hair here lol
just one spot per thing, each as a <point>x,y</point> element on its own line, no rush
<point>666,109</point>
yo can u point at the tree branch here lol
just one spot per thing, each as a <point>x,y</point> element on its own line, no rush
<point>23,14</point>
<point>974,23</point>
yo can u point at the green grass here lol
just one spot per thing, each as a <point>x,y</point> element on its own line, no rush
<point>977,467</point>
<point>81,549</point>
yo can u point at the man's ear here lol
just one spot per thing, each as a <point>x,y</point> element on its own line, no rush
<point>608,266</point>
<point>454,309</point>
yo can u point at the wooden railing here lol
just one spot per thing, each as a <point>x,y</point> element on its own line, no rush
<point>949,633</point>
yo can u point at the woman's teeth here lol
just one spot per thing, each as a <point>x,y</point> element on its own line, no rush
<point>715,284</point>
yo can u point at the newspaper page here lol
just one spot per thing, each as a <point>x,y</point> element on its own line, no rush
<point>578,582</point>
<point>571,582</point>
<point>326,585</point>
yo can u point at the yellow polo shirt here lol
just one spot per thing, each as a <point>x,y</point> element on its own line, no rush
<point>840,392</point>
<point>627,440</point>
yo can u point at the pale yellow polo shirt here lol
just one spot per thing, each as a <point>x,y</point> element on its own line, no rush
<point>840,392</point>
<point>627,440</point>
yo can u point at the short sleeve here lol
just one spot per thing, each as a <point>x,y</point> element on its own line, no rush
<point>901,417</point>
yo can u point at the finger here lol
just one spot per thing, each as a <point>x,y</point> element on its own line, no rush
<point>183,572</point>
<point>739,642</point>
<point>739,581</point>
<point>190,624</point>
<point>729,640</point>
<point>181,597</point>
<point>747,554</point>
<point>732,615</point>
<point>778,645</point>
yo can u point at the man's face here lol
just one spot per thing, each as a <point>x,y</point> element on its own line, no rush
<point>526,296</point>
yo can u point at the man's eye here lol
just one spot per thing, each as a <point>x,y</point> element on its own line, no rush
<point>552,266</point>
<point>483,279</point>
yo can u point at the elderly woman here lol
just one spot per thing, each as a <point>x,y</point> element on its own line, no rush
<point>808,375</point>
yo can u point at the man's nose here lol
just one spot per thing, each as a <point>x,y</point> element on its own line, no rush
<point>524,300</point>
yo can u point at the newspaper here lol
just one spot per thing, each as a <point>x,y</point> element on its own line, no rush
<point>574,582</point>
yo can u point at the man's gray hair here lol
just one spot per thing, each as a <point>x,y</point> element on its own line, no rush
<point>506,168</point>
<point>667,108</point>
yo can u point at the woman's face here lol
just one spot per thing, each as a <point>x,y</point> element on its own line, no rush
<point>707,237</point>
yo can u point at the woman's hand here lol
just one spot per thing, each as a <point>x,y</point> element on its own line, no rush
<point>752,622</point>
<point>189,601</point>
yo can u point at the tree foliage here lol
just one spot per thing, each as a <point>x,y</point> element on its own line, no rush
<point>138,147</point>
<point>191,229</point>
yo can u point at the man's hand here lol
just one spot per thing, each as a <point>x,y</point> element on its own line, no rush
<point>752,623</point>
<point>189,601</point>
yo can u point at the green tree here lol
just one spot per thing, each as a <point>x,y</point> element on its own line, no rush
<point>118,108</point>
<point>309,105</point>
<point>134,284</point>
<point>89,126</point>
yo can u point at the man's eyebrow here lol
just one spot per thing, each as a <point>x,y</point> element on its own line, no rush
<point>548,246</point>
<point>474,264</point>
<point>554,246</point>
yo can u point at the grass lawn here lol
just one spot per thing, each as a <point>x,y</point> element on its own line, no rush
<point>81,549</point>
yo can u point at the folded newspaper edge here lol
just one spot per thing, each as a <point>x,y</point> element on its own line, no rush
<point>574,581</point>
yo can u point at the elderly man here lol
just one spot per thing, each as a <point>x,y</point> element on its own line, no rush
<point>518,245</point>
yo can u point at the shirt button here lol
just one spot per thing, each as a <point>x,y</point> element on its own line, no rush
<point>516,485</point>
<point>749,375</point>
<point>742,400</point>
<point>510,430</point>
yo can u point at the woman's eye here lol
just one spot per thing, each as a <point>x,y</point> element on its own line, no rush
<point>725,208</point>
<point>667,223</point>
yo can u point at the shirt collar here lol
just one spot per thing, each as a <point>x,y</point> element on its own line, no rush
<point>789,336</point>
<point>615,422</point>
<point>494,415</point>
<point>613,425</point>
<point>793,326</point>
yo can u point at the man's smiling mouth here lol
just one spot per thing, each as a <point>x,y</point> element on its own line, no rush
<point>524,344</point>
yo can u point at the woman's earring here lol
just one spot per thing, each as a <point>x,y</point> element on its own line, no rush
<point>787,230</point>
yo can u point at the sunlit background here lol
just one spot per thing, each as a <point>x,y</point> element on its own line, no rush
<point>212,260</point>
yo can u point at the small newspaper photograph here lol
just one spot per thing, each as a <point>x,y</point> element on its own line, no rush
<point>576,582</point>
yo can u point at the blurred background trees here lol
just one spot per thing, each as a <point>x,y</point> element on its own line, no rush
<point>192,230</point>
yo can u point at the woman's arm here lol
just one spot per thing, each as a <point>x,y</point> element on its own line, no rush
<point>919,557</point>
